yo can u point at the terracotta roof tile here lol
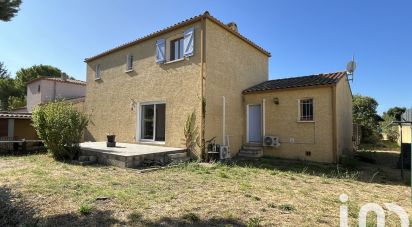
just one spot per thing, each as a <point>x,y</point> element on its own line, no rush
<point>298,82</point>
<point>9,115</point>
<point>175,26</point>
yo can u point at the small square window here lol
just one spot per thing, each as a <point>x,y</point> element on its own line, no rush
<point>129,62</point>
<point>306,110</point>
<point>176,49</point>
<point>97,72</point>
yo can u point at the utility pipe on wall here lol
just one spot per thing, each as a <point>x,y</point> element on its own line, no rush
<point>224,121</point>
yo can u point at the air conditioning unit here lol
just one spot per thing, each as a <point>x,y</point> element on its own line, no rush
<point>224,152</point>
<point>271,141</point>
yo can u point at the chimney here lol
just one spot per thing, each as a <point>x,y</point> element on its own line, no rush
<point>64,76</point>
<point>233,26</point>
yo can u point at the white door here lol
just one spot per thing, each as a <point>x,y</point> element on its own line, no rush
<point>255,124</point>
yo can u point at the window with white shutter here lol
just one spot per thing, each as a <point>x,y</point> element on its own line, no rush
<point>188,42</point>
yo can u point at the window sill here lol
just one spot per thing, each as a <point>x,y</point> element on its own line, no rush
<point>177,60</point>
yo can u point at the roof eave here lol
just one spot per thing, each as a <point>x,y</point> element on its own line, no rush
<point>174,27</point>
<point>289,88</point>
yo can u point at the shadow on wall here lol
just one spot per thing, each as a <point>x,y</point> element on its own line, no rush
<point>14,211</point>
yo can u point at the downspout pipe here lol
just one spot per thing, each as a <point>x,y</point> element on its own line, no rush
<point>202,98</point>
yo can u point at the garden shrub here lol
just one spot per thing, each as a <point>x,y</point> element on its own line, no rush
<point>60,126</point>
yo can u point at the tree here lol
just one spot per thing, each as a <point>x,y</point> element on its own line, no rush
<point>9,9</point>
<point>365,114</point>
<point>61,127</point>
<point>25,75</point>
<point>395,112</point>
<point>16,102</point>
<point>4,73</point>
<point>7,89</point>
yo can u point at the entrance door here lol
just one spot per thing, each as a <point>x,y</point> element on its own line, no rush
<point>153,122</point>
<point>255,124</point>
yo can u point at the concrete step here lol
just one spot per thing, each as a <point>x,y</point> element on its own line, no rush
<point>248,147</point>
<point>178,157</point>
<point>251,153</point>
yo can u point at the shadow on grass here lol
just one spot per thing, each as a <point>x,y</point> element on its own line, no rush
<point>383,171</point>
<point>182,221</point>
<point>14,211</point>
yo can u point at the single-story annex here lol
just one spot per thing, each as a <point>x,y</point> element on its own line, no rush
<point>144,90</point>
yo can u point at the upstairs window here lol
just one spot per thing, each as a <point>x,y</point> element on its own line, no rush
<point>306,110</point>
<point>129,63</point>
<point>176,49</point>
<point>97,72</point>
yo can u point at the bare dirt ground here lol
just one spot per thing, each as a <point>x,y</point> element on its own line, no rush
<point>35,190</point>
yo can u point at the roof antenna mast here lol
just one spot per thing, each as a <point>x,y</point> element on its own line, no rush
<point>350,68</point>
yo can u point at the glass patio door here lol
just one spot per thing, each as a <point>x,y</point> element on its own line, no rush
<point>153,122</point>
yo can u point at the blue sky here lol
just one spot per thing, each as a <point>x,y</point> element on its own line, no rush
<point>304,36</point>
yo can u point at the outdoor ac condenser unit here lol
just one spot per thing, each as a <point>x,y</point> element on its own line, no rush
<point>271,141</point>
<point>224,152</point>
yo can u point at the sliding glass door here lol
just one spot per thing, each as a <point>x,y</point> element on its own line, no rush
<point>153,122</point>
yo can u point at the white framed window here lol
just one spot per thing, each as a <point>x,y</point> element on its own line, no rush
<point>176,49</point>
<point>129,63</point>
<point>306,110</point>
<point>97,72</point>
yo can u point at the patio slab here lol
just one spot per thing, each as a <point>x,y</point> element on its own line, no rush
<point>128,155</point>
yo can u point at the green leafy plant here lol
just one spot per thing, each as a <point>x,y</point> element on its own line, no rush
<point>253,222</point>
<point>60,126</point>
<point>191,132</point>
<point>85,209</point>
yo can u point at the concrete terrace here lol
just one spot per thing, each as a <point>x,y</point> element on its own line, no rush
<point>128,155</point>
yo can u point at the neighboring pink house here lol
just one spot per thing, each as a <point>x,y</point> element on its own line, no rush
<point>46,89</point>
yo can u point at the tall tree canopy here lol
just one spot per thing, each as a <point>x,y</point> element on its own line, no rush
<point>25,75</point>
<point>4,73</point>
<point>365,114</point>
<point>395,112</point>
<point>7,90</point>
<point>9,9</point>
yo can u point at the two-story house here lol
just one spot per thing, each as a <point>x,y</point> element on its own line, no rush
<point>144,90</point>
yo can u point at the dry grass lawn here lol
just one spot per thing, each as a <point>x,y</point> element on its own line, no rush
<point>38,191</point>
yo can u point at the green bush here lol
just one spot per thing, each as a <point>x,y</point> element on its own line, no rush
<point>60,126</point>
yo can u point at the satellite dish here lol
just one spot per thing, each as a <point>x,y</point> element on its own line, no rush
<point>351,66</point>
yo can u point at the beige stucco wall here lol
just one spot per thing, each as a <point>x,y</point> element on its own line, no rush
<point>24,130</point>
<point>231,66</point>
<point>51,90</point>
<point>344,127</point>
<point>33,95</point>
<point>406,134</point>
<point>282,120</point>
<point>109,101</point>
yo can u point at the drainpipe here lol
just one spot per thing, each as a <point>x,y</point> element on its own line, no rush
<point>224,121</point>
<point>202,105</point>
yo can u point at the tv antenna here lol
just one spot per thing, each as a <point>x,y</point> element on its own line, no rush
<point>350,68</point>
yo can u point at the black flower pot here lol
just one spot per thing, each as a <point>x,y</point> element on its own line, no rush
<point>111,141</point>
